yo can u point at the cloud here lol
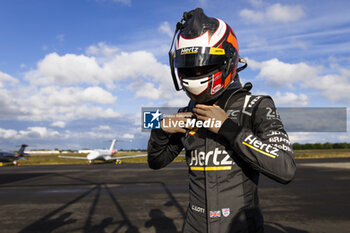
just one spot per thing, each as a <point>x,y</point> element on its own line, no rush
<point>7,133</point>
<point>335,87</point>
<point>128,136</point>
<point>56,96</point>
<point>9,105</point>
<point>56,108</point>
<point>179,99</point>
<point>252,16</point>
<point>96,95</point>
<point>332,82</point>
<point>279,13</point>
<point>102,50</point>
<point>90,134</point>
<point>41,132</point>
<point>148,90</point>
<point>304,137</point>
<point>273,13</point>
<point>165,28</point>
<point>82,86</point>
<point>256,3</point>
<point>65,70</point>
<point>59,124</point>
<point>70,87</point>
<point>36,132</point>
<point>57,104</point>
<point>6,78</point>
<point>29,133</point>
<point>71,69</point>
<point>104,128</point>
<point>280,74</point>
<point>290,99</point>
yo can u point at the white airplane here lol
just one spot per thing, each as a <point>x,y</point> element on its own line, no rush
<point>104,155</point>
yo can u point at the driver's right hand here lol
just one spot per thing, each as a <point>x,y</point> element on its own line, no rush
<point>171,124</point>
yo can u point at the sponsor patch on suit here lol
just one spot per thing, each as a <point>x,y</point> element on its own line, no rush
<point>226,212</point>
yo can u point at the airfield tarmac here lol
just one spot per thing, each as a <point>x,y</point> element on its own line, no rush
<point>133,198</point>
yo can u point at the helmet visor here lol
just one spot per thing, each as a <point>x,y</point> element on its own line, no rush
<point>197,71</point>
<point>199,56</point>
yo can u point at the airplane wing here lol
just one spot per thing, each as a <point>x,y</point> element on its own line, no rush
<point>128,157</point>
<point>71,157</point>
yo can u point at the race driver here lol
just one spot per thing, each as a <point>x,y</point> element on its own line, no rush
<point>225,160</point>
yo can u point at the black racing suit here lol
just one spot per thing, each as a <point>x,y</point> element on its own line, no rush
<point>224,168</point>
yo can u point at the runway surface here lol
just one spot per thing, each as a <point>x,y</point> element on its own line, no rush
<point>133,198</point>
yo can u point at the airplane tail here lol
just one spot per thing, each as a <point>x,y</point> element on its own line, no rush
<point>112,148</point>
<point>21,150</point>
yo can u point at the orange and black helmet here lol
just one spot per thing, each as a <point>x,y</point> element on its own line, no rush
<point>206,56</point>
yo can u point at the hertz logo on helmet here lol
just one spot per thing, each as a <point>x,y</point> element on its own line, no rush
<point>189,50</point>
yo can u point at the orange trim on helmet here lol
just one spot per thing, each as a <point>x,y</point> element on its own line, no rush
<point>228,80</point>
<point>232,39</point>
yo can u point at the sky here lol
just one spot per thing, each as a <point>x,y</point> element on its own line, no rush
<point>75,74</point>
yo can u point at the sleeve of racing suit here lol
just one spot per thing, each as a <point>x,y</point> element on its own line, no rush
<point>162,148</point>
<point>268,148</point>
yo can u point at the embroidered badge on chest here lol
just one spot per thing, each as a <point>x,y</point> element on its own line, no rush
<point>215,214</point>
<point>226,212</point>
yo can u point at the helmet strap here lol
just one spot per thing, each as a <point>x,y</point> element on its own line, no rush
<point>179,26</point>
<point>171,53</point>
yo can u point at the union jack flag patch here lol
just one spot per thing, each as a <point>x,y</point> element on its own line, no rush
<point>215,214</point>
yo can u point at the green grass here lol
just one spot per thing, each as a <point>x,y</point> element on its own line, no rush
<point>325,153</point>
<point>54,159</point>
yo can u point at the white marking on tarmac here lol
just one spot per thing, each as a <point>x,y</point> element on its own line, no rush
<point>328,165</point>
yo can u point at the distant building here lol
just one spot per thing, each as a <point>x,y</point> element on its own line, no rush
<point>43,152</point>
<point>84,151</point>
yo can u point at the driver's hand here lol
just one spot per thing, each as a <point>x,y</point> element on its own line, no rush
<point>168,124</point>
<point>205,112</point>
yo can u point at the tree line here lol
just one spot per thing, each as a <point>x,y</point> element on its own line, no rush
<point>320,146</point>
